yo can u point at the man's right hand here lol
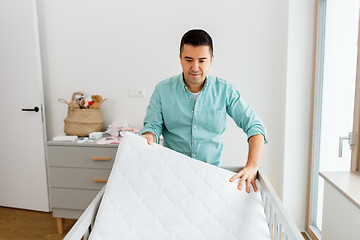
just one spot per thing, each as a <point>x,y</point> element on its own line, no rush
<point>150,137</point>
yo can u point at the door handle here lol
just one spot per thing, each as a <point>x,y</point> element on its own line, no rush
<point>101,158</point>
<point>100,180</point>
<point>36,109</point>
<point>352,141</point>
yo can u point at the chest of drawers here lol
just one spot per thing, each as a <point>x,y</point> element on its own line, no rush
<point>77,172</point>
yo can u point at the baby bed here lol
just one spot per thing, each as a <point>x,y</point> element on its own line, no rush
<point>278,221</point>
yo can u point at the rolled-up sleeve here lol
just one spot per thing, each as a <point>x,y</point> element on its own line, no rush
<point>243,115</point>
<point>153,121</point>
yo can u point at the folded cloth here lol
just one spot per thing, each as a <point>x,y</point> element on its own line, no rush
<point>109,140</point>
<point>65,138</point>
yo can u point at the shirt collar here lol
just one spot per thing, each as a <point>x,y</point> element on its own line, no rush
<point>204,87</point>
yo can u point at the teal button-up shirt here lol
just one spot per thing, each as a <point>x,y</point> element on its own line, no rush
<point>195,128</point>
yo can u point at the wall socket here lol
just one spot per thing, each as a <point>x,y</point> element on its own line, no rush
<point>134,92</point>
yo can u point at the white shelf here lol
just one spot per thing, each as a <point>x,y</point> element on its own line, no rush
<point>347,183</point>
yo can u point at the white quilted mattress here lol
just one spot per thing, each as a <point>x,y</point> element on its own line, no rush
<point>155,193</point>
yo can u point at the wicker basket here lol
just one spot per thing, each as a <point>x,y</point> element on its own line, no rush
<point>81,122</point>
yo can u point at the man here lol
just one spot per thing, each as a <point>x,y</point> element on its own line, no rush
<point>189,110</point>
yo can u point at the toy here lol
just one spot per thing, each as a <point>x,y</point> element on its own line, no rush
<point>97,100</point>
<point>75,102</point>
<point>77,97</point>
<point>86,103</point>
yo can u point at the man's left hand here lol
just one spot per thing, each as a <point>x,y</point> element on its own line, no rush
<point>248,175</point>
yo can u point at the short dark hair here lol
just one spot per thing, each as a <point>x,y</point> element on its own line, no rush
<point>197,37</point>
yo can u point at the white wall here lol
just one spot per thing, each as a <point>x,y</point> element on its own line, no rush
<point>107,47</point>
<point>299,105</point>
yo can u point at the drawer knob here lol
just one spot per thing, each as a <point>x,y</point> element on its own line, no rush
<point>101,158</point>
<point>100,180</point>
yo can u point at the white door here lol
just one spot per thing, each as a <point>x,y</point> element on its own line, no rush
<point>339,21</point>
<point>23,181</point>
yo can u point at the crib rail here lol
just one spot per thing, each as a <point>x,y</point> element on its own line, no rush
<point>83,226</point>
<point>280,224</point>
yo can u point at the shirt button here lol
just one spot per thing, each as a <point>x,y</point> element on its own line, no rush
<point>190,97</point>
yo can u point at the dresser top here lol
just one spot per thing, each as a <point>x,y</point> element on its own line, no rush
<point>347,183</point>
<point>86,144</point>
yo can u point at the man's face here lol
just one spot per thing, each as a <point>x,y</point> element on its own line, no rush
<point>195,62</point>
